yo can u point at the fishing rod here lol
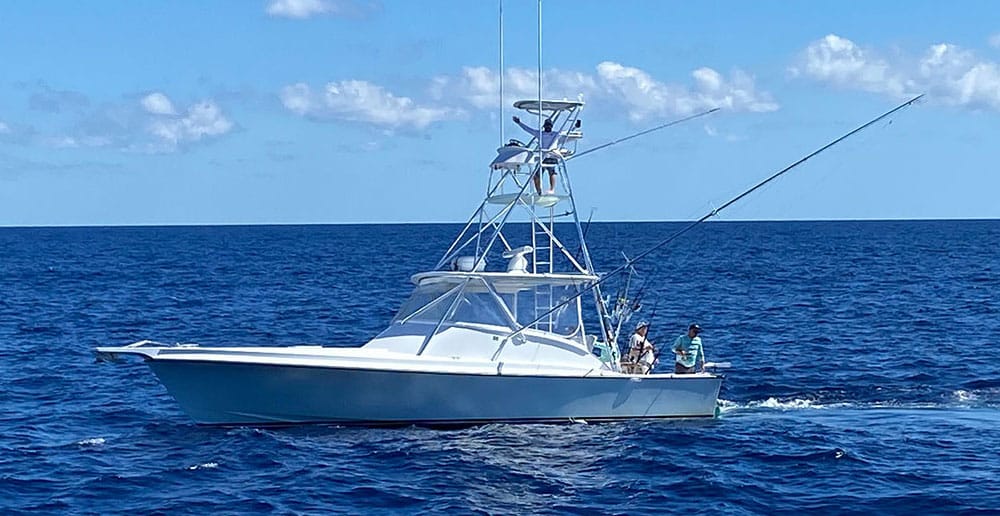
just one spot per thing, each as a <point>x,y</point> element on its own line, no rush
<point>713,213</point>
<point>623,309</point>
<point>645,340</point>
<point>641,133</point>
<point>636,135</point>
<point>663,346</point>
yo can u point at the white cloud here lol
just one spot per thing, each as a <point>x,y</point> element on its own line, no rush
<point>298,8</point>
<point>204,119</point>
<point>633,89</point>
<point>301,9</point>
<point>839,61</point>
<point>947,73</point>
<point>151,123</point>
<point>480,86</point>
<point>158,104</point>
<point>994,40</point>
<point>629,90</point>
<point>644,96</point>
<point>361,101</point>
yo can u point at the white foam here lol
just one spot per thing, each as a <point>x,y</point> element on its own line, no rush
<point>792,404</point>
<point>777,404</point>
<point>726,405</point>
<point>207,465</point>
<point>94,441</point>
<point>964,396</point>
<point>959,399</point>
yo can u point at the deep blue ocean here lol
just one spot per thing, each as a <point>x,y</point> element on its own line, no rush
<point>865,378</point>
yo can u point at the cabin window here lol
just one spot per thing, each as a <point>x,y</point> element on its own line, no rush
<point>433,302</point>
<point>532,303</point>
<point>416,309</point>
<point>479,308</point>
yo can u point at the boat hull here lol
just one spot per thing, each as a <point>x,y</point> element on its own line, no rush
<point>227,393</point>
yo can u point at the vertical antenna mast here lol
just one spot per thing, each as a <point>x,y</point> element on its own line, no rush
<point>501,73</point>
<point>539,88</point>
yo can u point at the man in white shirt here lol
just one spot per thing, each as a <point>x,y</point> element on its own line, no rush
<point>548,140</point>
<point>641,354</point>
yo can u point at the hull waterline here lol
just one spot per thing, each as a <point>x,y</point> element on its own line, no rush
<point>220,393</point>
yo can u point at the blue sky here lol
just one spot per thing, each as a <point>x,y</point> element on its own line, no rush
<point>337,111</point>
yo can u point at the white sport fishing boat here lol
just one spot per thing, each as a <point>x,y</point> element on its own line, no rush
<point>495,333</point>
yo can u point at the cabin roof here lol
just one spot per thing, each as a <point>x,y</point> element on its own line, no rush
<point>506,280</point>
<point>548,105</point>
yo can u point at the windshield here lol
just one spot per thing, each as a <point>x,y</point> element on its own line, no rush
<point>472,302</point>
<point>454,303</point>
<point>419,307</point>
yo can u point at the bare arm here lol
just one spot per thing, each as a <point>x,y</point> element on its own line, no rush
<point>528,129</point>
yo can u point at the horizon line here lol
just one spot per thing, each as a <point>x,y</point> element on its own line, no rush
<point>412,223</point>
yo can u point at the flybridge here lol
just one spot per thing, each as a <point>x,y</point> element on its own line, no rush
<point>517,167</point>
<point>541,259</point>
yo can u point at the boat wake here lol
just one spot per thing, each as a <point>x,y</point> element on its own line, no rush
<point>957,399</point>
<point>726,406</point>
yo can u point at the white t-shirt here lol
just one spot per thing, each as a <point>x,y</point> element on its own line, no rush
<point>636,344</point>
<point>550,140</point>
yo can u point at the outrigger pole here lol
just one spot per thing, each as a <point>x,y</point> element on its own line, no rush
<point>714,212</point>
<point>642,133</point>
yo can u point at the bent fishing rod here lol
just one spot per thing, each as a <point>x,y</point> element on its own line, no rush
<point>711,214</point>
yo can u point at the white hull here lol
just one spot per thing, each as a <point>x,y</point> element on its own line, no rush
<point>471,344</point>
<point>233,393</point>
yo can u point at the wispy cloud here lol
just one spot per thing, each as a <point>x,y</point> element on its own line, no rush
<point>479,87</point>
<point>302,9</point>
<point>643,96</point>
<point>49,100</point>
<point>73,142</point>
<point>12,166</point>
<point>627,89</point>
<point>202,120</point>
<point>947,73</point>
<point>151,123</point>
<point>362,101</point>
<point>632,89</point>
<point>20,134</point>
<point>994,40</point>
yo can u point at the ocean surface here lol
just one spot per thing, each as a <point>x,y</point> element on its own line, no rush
<point>865,375</point>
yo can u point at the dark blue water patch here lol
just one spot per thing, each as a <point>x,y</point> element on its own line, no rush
<point>864,376</point>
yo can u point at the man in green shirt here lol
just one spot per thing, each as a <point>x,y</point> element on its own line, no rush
<point>688,351</point>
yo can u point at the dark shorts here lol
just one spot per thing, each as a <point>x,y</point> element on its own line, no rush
<point>680,369</point>
<point>550,164</point>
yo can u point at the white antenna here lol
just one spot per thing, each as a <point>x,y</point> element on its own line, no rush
<point>539,89</point>
<point>501,74</point>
